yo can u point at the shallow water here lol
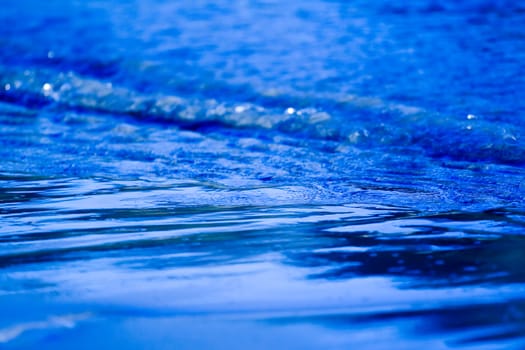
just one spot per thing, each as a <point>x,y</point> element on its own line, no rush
<point>259,174</point>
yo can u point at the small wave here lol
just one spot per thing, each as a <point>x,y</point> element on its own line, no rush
<point>364,122</point>
<point>61,321</point>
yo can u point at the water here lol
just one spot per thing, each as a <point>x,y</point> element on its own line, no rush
<point>259,174</point>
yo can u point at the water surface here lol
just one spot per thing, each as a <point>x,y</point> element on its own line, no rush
<point>259,174</point>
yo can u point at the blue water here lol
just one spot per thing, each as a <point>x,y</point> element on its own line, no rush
<point>262,174</point>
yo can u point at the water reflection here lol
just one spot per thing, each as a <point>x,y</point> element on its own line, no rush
<point>439,250</point>
<point>251,174</point>
<point>342,267</point>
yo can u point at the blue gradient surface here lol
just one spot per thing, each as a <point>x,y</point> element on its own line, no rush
<point>262,174</point>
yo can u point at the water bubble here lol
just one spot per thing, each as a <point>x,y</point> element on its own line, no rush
<point>471,116</point>
<point>47,87</point>
<point>290,110</point>
<point>65,87</point>
<point>354,137</point>
<point>239,109</point>
<point>7,87</point>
